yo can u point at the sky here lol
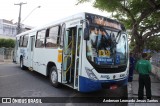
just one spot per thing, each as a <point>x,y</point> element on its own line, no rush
<point>51,10</point>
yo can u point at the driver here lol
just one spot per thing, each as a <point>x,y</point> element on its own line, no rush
<point>104,40</point>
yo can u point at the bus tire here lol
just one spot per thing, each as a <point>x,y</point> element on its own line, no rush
<point>54,77</point>
<point>21,63</point>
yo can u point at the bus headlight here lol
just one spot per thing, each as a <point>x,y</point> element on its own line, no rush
<point>90,74</point>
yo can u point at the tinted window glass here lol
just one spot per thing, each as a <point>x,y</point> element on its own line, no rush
<point>25,40</point>
<point>40,38</point>
<point>21,41</point>
<point>52,36</point>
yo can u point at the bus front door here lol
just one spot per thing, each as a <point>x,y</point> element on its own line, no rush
<point>71,53</point>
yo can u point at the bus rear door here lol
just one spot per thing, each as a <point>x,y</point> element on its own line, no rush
<point>31,49</point>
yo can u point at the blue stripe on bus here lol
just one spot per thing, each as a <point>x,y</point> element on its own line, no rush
<point>89,85</point>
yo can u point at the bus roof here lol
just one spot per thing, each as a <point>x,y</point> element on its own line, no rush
<point>79,15</point>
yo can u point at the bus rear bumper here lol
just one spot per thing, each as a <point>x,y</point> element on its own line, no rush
<point>89,85</point>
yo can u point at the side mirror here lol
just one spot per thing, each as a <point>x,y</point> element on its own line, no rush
<point>86,34</point>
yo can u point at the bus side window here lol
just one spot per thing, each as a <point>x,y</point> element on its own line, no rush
<point>40,39</point>
<point>63,33</point>
<point>21,41</point>
<point>25,40</point>
<point>52,37</point>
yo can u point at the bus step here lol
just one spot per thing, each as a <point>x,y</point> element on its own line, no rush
<point>64,82</point>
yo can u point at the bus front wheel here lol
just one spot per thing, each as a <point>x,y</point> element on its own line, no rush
<point>54,77</point>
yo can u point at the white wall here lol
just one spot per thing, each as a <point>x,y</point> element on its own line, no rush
<point>7,37</point>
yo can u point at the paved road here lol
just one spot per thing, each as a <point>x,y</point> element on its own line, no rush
<point>15,82</point>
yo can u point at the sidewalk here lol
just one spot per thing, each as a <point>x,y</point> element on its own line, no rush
<point>155,89</point>
<point>6,61</point>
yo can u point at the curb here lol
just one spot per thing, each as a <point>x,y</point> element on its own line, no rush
<point>6,62</point>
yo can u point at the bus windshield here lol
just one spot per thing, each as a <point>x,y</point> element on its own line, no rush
<point>106,46</point>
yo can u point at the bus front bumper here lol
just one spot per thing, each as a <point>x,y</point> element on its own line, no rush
<point>89,85</point>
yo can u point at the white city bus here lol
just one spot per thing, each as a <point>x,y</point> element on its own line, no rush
<point>86,52</point>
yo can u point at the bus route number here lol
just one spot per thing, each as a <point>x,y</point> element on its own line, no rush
<point>103,53</point>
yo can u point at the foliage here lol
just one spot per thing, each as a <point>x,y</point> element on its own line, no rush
<point>8,43</point>
<point>132,46</point>
<point>153,44</point>
<point>139,16</point>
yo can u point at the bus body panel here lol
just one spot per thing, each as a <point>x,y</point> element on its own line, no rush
<point>43,56</point>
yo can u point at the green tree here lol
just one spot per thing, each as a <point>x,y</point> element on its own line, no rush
<point>142,17</point>
<point>2,42</point>
<point>8,43</point>
<point>153,44</point>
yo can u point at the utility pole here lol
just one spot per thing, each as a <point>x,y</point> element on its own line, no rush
<point>19,18</point>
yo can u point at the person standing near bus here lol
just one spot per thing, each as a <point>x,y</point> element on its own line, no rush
<point>131,67</point>
<point>143,67</point>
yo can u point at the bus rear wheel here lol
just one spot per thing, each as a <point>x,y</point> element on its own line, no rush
<point>21,63</point>
<point>54,77</point>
